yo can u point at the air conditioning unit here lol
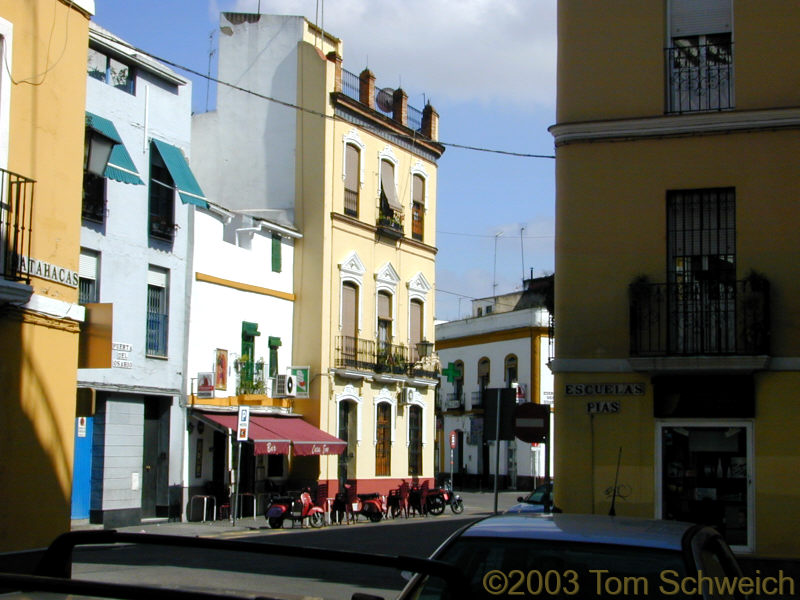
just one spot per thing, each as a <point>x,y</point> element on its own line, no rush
<point>285,386</point>
<point>407,396</point>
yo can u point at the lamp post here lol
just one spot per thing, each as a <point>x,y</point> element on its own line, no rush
<point>424,349</point>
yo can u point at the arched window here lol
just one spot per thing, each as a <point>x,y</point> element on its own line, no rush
<point>414,440</point>
<point>383,435</point>
<point>352,168</point>
<point>458,383</point>
<point>483,373</point>
<point>349,340</point>
<point>384,322</point>
<point>417,207</point>
<point>510,370</point>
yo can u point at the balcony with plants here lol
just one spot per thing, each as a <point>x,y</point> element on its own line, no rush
<point>379,357</point>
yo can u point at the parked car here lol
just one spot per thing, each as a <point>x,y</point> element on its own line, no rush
<point>539,500</point>
<point>582,556</point>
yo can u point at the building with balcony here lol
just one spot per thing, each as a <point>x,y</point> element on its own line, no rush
<point>136,240</point>
<point>678,346</point>
<point>353,167</point>
<point>41,146</point>
<point>503,346</point>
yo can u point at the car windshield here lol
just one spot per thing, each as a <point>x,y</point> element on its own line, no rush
<point>538,495</point>
<point>537,568</point>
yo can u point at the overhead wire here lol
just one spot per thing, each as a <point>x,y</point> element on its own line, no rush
<point>296,107</point>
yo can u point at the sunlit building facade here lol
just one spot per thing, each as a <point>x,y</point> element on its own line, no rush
<point>677,356</point>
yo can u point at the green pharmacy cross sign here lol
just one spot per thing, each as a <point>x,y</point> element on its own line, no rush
<point>452,372</point>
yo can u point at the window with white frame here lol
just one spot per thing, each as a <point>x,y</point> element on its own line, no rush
<point>157,311</point>
<point>352,170</point>
<point>418,207</point>
<point>88,277</point>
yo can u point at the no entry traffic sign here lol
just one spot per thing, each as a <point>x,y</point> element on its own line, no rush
<point>532,422</point>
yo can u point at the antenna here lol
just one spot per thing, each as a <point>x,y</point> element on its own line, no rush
<point>211,52</point>
<point>613,511</point>
<point>494,275</point>
<point>522,252</point>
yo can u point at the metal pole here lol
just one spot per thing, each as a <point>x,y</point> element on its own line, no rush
<point>236,484</point>
<point>452,484</point>
<point>497,449</point>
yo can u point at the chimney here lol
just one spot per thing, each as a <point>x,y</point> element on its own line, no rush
<point>337,61</point>
<point>400,106</point>
<point>366,91</point>
<point>430,123</point>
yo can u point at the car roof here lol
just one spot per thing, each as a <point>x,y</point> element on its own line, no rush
<point>597,529</point>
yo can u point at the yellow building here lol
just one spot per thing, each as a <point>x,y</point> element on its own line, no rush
<point>42,127</point>
<point>352,168</point>
<point>678,343</point>
<point>364,272</point>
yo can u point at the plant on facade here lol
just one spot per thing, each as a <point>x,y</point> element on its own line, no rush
<point>250,376</point>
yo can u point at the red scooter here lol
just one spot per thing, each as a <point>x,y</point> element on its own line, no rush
<point>295,509</point>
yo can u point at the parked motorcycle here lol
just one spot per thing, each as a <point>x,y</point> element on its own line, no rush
<point>442,497</point>
<point>294,508</point>
<point>371,506</point>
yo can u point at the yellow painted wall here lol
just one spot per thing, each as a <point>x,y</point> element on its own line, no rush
<point>777,463</point>
<point>611,227</point>
<point>327,242</point>
<point>39,354</point>
<point>614,67</point>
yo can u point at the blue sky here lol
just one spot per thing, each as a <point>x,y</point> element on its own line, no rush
<point>487,66</point>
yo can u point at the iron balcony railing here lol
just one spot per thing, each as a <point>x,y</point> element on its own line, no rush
<point>380,357</point>
<point>700,77</point>
<point>384,101</point>
<point>700,318</point>
<point>16,210</point>
<point>355,353</point>
<point>454,401</point>
<point>351,202</point>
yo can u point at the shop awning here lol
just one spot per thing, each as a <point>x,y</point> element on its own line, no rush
<point>274,435</point>
<point>185,182</point>
<point>120,165</point>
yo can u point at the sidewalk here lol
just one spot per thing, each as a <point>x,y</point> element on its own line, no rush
<point>476,504</point>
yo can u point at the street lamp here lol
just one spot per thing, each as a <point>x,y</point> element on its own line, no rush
<point>424,349</point>
<point>97,151</point>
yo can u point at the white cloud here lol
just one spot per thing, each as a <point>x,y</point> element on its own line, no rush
<point>451,50</point>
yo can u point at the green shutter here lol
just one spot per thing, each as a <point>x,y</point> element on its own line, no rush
<point>276,253</point>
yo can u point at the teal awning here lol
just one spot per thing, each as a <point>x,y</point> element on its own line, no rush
<point>188,188</point>
<point>120,165</point>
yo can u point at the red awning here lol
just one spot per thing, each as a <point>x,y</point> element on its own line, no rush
<point>274,435</point>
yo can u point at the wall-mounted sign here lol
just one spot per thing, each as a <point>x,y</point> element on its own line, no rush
<point>205,385</point>
<point>244,424</point>
<point>303,376</point>
<point>221,370</point>
<point>121,357</point>
<point>45,270</point>
<point>605,389</point>
<point>602,407</point>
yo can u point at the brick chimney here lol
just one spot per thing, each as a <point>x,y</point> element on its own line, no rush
<point>430,123</point>
<point>400,106</point>
<point>337,61</point>
<point>366,88</point>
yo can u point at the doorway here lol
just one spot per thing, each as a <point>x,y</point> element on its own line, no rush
<point>155,463</point>
<point>705,476</point>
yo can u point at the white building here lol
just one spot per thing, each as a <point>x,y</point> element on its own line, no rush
<point>135,239</point>
<point>241,316</point>
<point>505,344</point>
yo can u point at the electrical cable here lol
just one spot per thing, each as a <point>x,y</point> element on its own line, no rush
<point>43,74</point>
<point>301,108</point>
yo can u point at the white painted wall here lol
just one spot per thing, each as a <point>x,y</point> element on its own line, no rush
<point>496,352</point>
<point>217,311</point>
<point>261,57</point>
<point>158,109</point>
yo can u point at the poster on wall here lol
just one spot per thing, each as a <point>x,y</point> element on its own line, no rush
<point>205,385</point>
<point>303,375</point>
<point>221,370</point>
